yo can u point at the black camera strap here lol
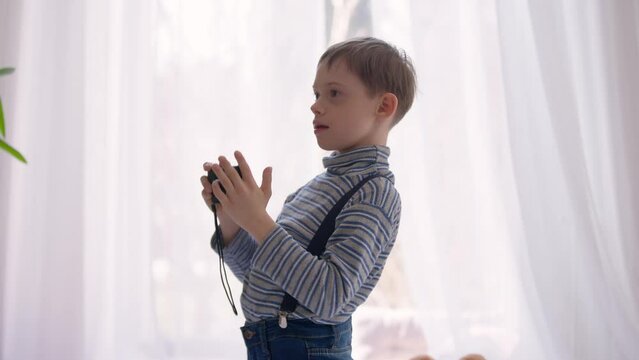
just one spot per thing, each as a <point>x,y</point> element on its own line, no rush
<point>218,244</point>
<point>318,244</point>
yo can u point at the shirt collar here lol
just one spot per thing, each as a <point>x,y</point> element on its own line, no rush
<point>373,157</point>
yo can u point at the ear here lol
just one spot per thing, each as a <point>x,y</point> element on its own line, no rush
<point>387,105</point>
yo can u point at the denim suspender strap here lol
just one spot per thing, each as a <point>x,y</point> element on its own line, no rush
<point>318,244</point>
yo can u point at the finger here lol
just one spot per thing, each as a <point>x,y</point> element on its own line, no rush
<point>267,178</point>
<point>244,167</point>
<point>208,198</point>
<point>221,175</point>
<point>207,166</point>
<point>230,171</point>
<point>219,194</point>
<point>205,183</point>
<point>207,192</point>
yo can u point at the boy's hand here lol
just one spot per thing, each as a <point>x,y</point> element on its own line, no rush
<point>244,202</point>
<point>228,228</point>
<point>207,190</point>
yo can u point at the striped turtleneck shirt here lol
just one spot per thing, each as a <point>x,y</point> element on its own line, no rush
<point>331,287</point>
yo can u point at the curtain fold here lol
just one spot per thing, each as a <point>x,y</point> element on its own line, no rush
<point>118,53</point>
<point>566,105</point>
<point>76,281</point>
<point>42,238</point>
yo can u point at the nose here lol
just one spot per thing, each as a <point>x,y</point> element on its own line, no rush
<point>316,108</point>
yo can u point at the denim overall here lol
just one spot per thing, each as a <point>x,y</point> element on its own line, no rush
<point>301,339</point>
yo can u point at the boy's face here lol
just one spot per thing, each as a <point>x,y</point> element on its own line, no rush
<point>345,114</point>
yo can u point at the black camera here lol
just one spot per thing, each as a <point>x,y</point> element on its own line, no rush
<point>212,177</point>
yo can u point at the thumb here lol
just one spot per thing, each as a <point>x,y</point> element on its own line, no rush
<point>267,177</point>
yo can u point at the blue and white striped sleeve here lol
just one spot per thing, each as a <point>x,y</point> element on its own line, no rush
<point>324,285</point>
<point>238,254</point>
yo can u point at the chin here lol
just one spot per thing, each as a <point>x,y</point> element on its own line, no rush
<point>335,147</point>
<point>325,146</point>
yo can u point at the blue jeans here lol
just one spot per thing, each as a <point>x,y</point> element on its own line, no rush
<point>302,339</point>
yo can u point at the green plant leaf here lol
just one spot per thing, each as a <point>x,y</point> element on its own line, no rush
<point>6,71</point>
<point>16,154</point>
<point>1,120</point>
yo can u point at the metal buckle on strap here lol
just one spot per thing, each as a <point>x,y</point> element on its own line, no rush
<point>282,321</point>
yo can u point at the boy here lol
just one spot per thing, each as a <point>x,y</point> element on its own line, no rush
<point>363,87</point>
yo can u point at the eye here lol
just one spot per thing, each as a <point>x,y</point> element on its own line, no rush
<point>316,95</point>
<point>334,93</point>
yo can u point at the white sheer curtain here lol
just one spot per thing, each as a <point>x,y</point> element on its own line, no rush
<point>571,76</point>
<point>460,206</point>
<point>528,210</point>
<point>516,166</point>
<point>76,237</point>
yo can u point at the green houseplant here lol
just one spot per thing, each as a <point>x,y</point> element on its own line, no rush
<point>3,144</point>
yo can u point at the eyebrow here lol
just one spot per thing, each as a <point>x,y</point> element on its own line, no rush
<point>331,83</point>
